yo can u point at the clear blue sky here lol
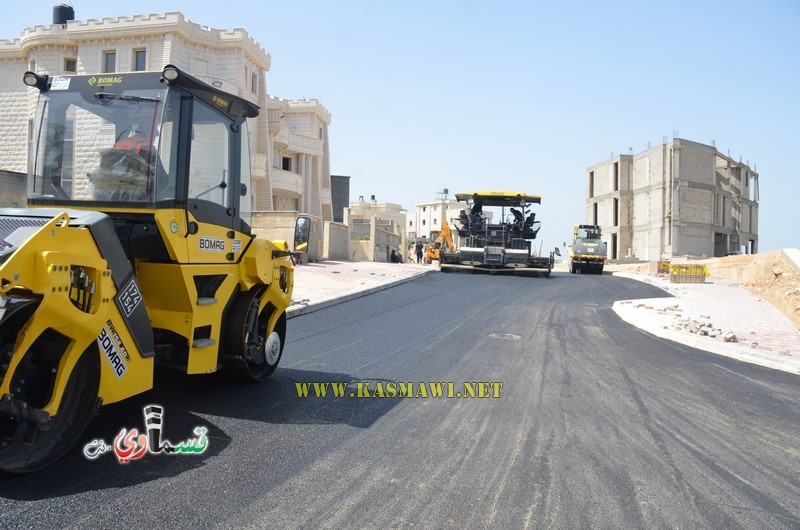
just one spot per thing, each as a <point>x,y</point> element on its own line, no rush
<point>521,95</point>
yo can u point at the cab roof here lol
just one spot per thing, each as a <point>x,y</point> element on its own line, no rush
<point>89,85</point>
<point>499,198</point>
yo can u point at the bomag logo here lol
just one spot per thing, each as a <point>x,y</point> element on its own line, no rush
<point>111,350</point>
<point>219,101</point>
<point>212,243</point>
<point>105,81</point>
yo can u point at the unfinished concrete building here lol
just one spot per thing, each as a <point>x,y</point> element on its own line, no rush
<point>680,198</point>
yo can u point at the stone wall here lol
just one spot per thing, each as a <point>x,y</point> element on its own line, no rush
<point>280,226</point>
<point>18,103</point>
<point>336,241</point>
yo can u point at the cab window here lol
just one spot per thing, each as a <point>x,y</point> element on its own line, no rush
<point>209,167</point>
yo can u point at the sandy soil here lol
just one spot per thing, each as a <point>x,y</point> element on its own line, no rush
<point>784,285</point>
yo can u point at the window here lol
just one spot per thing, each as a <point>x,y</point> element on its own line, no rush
<point>594,213</point>
<point>724,211</point>
<point>591,184</point>
<point>109,62</point>
<point>286,163</point>
<point>254,84</point>
<point>410,224</point>
<point>209,160</point>
<point>616,212</point>
<point>246,201</point>
<point>423,208</point>
<point>139,60</point>
<point>434,222</point>
<point>616,176</point>
<point>423,222</point>
<point>70,66</point>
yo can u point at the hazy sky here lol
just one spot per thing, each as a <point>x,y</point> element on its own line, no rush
<point>465,95</point>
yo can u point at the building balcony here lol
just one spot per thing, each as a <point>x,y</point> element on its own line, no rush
<point>280,138</point>
<point>287,184</point>
<point>303,144</point>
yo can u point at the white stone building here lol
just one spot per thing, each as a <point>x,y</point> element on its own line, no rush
<point>381,223</point>
<point>428,216</point>
<point>680,198</point>
<point>290,159</point>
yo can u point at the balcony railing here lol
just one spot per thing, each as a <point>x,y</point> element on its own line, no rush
<point>305,145</point>
<point>287,183</point>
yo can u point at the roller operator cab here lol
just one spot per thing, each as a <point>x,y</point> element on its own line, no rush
<point>498,229</point>
<point>135,249</point>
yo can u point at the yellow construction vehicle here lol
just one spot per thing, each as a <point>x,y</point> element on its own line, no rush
<point>135,249</point>
<point>587,254</point>
<point>442,242</point>
<point>498,245</point>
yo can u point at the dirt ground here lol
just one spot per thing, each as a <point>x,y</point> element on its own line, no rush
<point>782,287</point>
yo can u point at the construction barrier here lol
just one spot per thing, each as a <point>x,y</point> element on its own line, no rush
<point>659,268</point>
<point>687,273</point>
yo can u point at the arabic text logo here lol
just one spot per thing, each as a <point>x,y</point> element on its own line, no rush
<point>130,445</point>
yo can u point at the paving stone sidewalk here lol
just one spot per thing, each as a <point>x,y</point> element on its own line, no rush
<point>718,316</point>
<point>323,284</point>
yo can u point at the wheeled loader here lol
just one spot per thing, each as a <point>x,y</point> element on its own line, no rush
<point>135,249</point>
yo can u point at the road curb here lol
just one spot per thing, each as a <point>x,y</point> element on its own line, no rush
<point>741,353</point>
<point>296,311</point>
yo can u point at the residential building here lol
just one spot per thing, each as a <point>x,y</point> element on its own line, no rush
<point>426,220</point>
<point>375,229</point>
<point>290,158</point>
<point>392,215</point>
<point>680,198</point>
<point>300,177</point>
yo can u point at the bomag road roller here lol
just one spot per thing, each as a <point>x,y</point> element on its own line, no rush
<point>587,254</point>
<point>135,249</point>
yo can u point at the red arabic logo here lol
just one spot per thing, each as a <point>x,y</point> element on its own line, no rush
<point>130,445</point>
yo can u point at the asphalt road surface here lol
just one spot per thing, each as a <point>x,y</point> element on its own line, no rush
<point>585,422</point>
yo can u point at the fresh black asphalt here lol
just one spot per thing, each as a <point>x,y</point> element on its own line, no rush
<point>597,424</point>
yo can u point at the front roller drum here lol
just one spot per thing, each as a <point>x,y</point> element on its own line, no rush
<point>27,445</point>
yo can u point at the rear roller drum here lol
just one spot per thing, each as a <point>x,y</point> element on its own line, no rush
<point>259,348</point>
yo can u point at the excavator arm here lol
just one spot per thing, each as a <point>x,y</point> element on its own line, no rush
<point>443,241</point>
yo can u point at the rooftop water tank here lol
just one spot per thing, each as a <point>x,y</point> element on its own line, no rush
<point>62,13</point>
